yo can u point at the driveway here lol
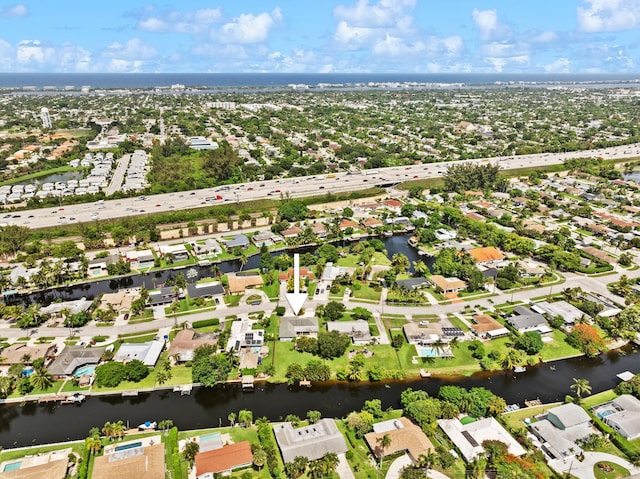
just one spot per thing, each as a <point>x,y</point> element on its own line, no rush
<point>584,469</point>
<point>343,469</point>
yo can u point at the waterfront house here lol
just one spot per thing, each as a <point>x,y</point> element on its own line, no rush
<point>623,415</point>
<point>443,234</point>
<point>560,430</point>
<point>209,249</point>
<point>223,460</point>
<point>73,357</point>
<point>291,232</point>
<point>119,301</point>
<point>238,241</point>
<point>187,341</point>
<point>74,306</point>
<point>422,333</point>
<point>305,273</point>
<point>372,223</point>
<point>98,266</point>
<point>148,353</point>
<point>43,465</point>
<point>140,259</point>
<point>312,441</point>
<point>346,223</point>
<point>244,336</point>
<point>291,328</point>
<point>209,290</point>
<point>265,238</point>
<point>164,295</point>
<point>239,282</point>
<point>138,462</point>
<point>319,229</point>
<point>358,330</point>
<point>468,438</point>
<point>404,435</point>
<point>174,252</point>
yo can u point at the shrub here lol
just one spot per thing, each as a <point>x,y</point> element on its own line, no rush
<point>205,322</point>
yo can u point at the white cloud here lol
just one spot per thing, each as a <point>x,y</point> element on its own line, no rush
<point>382,26</point>
<point>18,10</point>
<point>249,28</point>
<point>383,14</point>
<point>133,49</point>
<point>489,24</point>
<point>561,65</point>
<point>191,22</point>
<point>396,47</point>
<point>609,15</point>
<point>118,65</point>
<point>544,37</point>
<point>31,52</point>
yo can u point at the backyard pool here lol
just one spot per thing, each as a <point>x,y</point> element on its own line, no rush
<point>14,466</point>
<point>27,372</point>
<point>427,352</point>
<point>124,447</point>
<point>208,437</point>
<point>84,370</point>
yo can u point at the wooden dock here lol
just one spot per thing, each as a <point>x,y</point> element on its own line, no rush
<point>247,382</point>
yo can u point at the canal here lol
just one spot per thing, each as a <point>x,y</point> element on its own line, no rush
<point>43,423</point>
<point>92,289</point>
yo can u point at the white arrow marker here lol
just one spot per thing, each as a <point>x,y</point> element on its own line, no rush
<point>296,299</point>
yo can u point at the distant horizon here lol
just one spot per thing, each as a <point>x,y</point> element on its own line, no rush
<point>58,81</point>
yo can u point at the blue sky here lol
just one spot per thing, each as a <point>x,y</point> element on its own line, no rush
<point>316,36</point>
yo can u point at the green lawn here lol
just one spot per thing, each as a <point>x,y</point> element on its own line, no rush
<point>232,300</point>
<point>351,260</point>
<point>383,356</point>
<point>609,470</point>
<point>180,375</point>
<point>271,290</point>
<point>558,348</point>
<point>366,292</point>
<point>380,259</point>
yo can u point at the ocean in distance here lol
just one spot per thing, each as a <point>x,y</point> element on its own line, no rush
<point>239,80</point>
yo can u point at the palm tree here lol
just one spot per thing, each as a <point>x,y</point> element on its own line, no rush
<point>259,458</point>
<point>330,461</point>
<point>428,460</point>
<point>94,444</point>
<point>497,405</point>
<point>243,259</point>
<point>232,418</point>
<point>383,442</point>
<point>118,429</point>
<point>107,430</point>
<point>581,386</point>
<point>41,379</point>
<point>420,267</point>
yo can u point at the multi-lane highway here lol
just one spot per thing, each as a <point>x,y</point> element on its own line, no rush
<point>294,187</point>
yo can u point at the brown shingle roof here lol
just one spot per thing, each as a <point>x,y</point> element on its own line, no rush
<point>485,323</point>
<point>408,438</point>
<point>238,284</point>
<point>148,465</point>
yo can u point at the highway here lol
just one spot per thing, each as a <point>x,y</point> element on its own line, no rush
<point>294,187</point>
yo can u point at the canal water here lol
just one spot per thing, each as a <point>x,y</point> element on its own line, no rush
<point>90,290</point>
<point>43,423</point>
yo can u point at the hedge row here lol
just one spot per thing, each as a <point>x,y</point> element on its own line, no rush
<point>205,322</point>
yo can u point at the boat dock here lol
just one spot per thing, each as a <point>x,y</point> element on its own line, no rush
<point>184,390</point>
<point>247,382</point>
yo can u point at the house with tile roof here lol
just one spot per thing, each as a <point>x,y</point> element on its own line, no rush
<point>224,460</point>
<point>404,435</point>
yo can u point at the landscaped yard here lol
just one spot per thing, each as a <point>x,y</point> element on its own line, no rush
<point>558,348</point>
<point>366,292</point>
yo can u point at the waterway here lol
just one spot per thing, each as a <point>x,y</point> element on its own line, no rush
<point>44,423</point>
<point>92,289</point>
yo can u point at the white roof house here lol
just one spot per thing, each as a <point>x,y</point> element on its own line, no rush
<point>468,438</point>
<point>148,352</point>
<point>626,418</point>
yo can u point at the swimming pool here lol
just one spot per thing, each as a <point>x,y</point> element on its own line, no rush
<point>12,466</point>
<point>84,370</point>
<point>427,352</point>
<point>124,447</point>
<point>27,372</point>
<point>208,437</point>
<point>605,413</point>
